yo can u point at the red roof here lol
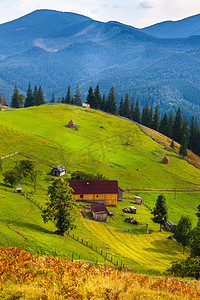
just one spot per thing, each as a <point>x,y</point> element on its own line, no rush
<point>94,186</point>
<point>99,208</point>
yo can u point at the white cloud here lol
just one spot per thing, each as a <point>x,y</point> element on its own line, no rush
<point>145,4</point>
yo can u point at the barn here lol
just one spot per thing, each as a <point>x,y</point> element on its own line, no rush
<point>58,171</point>
<point>99,191</point>
<point>99,212</point>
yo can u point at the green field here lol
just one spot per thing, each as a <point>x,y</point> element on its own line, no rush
<point>98,146</point>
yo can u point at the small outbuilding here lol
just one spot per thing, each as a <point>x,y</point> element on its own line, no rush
<point>58,171</point>
<point>19,190</point>
<point>133,209</point>
<point>86,105</point>
<point>138,200</point>
<point>169,225</point>
<point>165,160</point>
<point>72,124</point>
<point>99,212</point>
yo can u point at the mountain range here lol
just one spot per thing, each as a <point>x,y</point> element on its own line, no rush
<point>160,63</point>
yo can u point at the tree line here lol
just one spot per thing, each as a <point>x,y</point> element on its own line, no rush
<point>173,126</point>
<point>183,234</point>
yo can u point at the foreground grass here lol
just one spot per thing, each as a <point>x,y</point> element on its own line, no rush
<point>24,276</point>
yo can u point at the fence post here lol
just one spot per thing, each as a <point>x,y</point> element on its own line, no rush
<point>72,256</point>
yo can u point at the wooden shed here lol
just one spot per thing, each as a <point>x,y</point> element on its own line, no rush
<point>100,191</point>
<point>138,200</point>
<point>99,212</point>
<point>133,209</point>
<point>72,124</point>
<point>169,225</point>
<point>58,171</point>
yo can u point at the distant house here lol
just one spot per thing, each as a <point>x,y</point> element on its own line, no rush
<point>100,191</point>
<point>86,105</point>
<point>58,171</point>
<point>99,212</point>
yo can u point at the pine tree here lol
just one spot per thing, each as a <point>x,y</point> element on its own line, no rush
<point>91,99</point>
<point>183,147</point>
<point>156,120</point>
<point>77,97</point>
<point>146,117</point>
<point>121,107</point>
<point>185,128</point>
<point>127,111</point>
<point>103,103</point>
<point>137,117</point>
<point>40,96</point>
<point>182,231</point>
<point>177,129</point>
<point>29,97</point>
<point>53,100</point>
<point>192,135</point>
<point>195,243</point>
<point>35,96</point>
<point>97,96</point>
<point>164,125</point>
<point>160,211</point>
<point>68,99</point>
<point>171,123</point>
<point>14,101</point>
<point>111,103</point>
<point>0,98</point>
<point>172,144</point>
<point>132,108</point>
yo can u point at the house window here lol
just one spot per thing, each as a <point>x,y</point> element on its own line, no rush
<point>81,196</point>
<point>97,196</point>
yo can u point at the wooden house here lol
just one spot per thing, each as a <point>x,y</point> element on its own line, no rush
<point>86,105</point>
<point>58,171</point>
<point>99,212</point>
<point>99,191</point>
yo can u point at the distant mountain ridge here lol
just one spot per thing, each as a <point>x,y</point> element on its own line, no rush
<point>175,29</point>
<point>56,49</point>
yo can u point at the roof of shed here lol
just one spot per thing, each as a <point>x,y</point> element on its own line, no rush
<point>60,168</point>
<point>99,208</point>
<point>94,186</point>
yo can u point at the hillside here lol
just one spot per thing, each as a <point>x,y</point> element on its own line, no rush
<point>98,146</point>
<point>55,49</point>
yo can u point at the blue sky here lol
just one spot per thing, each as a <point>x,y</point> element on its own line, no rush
<point>138,13</point>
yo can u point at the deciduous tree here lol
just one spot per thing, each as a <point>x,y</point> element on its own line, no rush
<point>60,206</point>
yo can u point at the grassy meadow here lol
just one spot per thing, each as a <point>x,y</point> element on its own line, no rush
<point>98,146</point>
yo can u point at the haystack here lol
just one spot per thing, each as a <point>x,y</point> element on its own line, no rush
<point>165,160</point>
<point>72,124</point>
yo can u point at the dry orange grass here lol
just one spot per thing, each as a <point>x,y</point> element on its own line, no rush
<point>25,276</point>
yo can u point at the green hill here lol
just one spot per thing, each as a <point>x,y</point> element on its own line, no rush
<point>102,144</point>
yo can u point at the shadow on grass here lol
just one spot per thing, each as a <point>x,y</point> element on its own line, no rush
<point>162,247</point>
<point>34,227</point>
